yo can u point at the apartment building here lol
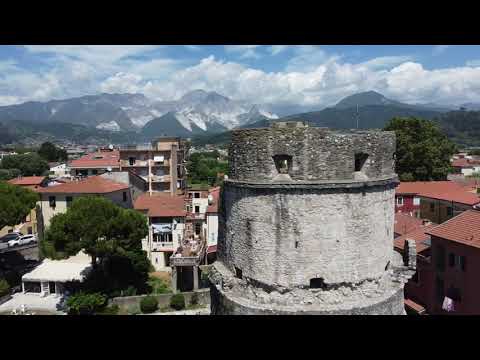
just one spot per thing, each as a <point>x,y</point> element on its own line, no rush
<point>456,262</point>
<point>96,163</point>
<point>161,163</point>
<point>56,199</point>
<point>166,226</point>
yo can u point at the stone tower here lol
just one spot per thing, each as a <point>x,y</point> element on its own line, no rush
<point>306,224</point>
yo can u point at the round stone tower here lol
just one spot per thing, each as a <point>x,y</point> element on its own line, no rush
<point>306,224</point>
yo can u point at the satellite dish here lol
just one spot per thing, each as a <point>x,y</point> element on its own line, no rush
<point>109,169</point>
<point>110,147</point>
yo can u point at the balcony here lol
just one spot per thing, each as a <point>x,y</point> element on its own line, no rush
<point>162,246</point>
<point>161,178</point>
<point>196,216</point>
<point>137,163</point>
<point>190,254</point>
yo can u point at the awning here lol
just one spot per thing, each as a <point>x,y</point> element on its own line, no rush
<point>161,228</point>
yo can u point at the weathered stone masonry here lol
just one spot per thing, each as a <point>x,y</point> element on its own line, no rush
<point>306,224</point>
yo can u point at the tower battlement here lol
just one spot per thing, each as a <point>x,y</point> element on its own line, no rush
<point>300,153</point>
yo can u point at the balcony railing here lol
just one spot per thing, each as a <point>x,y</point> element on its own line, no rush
<point>180,259</point>
<point>196,216</point>
<point>162,245</point>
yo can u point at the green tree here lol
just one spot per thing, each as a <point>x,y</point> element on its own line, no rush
<point>86,304</point>
<point>15,203</point>
<point>29,164</point>
<point>423,151</point>
<point>8,174</point>
<point>203,168</point>
<point>111,235</point>
<point>50,152</point>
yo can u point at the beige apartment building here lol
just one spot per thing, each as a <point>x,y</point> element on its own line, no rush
<point>161,163</point>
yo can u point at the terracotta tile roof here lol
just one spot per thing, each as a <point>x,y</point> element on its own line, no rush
<point>463,228</point>
<point>464,163</point>
<point>418,187</point>
<point>405,223</point>
<point>28,180</point>
<point>101,159</point>
<point>462,196</point>
<point>91,185</point>
<point>414,306</point>
<point>419,235</point>
<point>215,192</point>
<point>161,205</point>
<point>441,190</point>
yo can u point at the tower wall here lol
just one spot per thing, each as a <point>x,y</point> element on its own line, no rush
<point>306,223</point>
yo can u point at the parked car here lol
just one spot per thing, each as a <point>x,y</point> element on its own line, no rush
<point>23,240</point>
<point>5,239</point>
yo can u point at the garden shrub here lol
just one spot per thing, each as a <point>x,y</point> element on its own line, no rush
<point>149,304</point>
<point>177,302</point>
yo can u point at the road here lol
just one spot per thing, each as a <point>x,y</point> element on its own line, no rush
<point>18,248</point>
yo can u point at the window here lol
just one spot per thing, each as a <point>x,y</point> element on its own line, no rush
<point>196,195</point>
<point>449,211</point>
<point>124,196</point>
<point>283,163</point>
<point>238,273</point>
<point>451,259</point>
<point>399,200</point>
<point>463,263</point>
<point>68,200</point>
<point>317,283</point>
<point>52,201</point>
<point>198,228</point>
<point>197,209</point>
<point>30,230</point>
<point>94,172</point>
<point>131,161</point>
<point>360,159</point>
<point>440,258</point>
<point>432,207</point>
<point>189,208</point>
<point>416,200</point>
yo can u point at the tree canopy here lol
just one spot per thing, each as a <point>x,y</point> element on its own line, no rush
<point>111,235</point>
<point>423,151</point>
<point>30,164</point>
<point>50,152</point>
<point>15,203</point>
<point>203,168</point>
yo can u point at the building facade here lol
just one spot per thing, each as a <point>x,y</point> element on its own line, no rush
<point>96,163</point>
<point>306,224</point>
<point>161,164</point>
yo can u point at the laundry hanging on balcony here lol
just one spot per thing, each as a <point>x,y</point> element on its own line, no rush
<point>161,228</point>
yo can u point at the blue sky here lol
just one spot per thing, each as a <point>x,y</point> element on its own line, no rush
<point>301,75</point>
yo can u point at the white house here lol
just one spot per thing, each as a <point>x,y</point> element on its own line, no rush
<point>60,170</point>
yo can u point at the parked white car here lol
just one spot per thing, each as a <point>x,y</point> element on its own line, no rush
<point>23,240</point>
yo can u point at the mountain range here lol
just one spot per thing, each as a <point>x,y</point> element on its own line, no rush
<point>205,116</point>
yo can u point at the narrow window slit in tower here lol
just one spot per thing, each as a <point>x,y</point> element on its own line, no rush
<point>283,163</point>
<point>317,283</point>
<point>360,159</point>
<point>238,273</point>
<point>296,244</point>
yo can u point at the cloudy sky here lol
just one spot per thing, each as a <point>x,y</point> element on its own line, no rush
<point>277,74</point>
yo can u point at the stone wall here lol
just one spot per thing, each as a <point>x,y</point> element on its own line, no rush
<point>289,236</point>
<point>132,303</point>
<point>316,153</point>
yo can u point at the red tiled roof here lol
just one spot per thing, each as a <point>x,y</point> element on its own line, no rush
<point>405,223</point>
<point>91,185</point>
<point>441,190</point>
<point>215,192</point>
<point>418,187</point>
<point>463,228</point>
<point>464,163</point>
<point>419,235</point>
<point>161,205</point>
<point>414,306</point>
<point>458,196</point>
<point>102,159</point>
<point>28,180</point>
